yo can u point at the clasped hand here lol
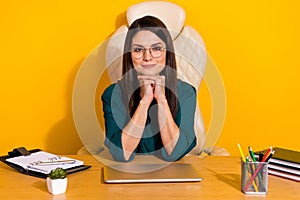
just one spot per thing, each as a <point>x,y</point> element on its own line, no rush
<point>152,87</point>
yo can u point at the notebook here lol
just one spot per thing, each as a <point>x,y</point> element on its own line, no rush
<point>150,173</point>
<point>39,163</point>
<point>285,157</point>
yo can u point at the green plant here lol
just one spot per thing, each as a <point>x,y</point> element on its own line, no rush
<point>58,173</point>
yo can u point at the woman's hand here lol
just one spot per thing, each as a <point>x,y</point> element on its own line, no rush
<point>146,89</point>
<point>153,86</point>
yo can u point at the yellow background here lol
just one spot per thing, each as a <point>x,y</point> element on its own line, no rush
<point>255,45</point>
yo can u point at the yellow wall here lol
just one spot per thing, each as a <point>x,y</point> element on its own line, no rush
<point>255,45</point>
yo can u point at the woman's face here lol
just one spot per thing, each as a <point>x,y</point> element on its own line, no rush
<point>148,53</point>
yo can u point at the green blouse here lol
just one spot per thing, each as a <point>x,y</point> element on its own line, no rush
<point>116,117</point>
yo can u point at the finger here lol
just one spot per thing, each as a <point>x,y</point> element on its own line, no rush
<point>146,78</point>
<point>147,82</point>
<point>159,79</point>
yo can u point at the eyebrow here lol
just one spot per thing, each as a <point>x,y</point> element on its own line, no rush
<point>139,45</point>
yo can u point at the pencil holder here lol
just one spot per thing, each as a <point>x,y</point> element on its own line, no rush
<point>254,178</point>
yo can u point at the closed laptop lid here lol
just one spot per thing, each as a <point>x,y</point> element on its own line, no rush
<point>150,173</point>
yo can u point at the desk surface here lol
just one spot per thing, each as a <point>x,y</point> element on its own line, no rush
<point>221,181</point>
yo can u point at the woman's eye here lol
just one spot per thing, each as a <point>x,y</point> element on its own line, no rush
<point>156,48</point>
<point>137,49</point>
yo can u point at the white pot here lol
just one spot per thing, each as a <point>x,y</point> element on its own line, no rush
<point>57,186</point>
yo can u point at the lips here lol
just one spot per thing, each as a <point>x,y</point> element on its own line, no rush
<point>148,66</point>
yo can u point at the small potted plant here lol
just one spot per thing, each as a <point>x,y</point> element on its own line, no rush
<point>57,181</point>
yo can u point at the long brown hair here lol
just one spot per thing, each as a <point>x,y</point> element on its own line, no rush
<point>129,81</point>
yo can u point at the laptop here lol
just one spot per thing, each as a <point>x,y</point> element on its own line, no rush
<point>150,173</point>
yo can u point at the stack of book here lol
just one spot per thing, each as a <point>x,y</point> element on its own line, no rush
<point>284,163</point>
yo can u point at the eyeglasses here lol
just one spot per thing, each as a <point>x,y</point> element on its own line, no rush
<point>155,51</point>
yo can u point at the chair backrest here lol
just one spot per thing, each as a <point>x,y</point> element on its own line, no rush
<point>189,49</point>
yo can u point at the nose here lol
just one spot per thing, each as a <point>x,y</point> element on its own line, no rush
<point>147,54</point>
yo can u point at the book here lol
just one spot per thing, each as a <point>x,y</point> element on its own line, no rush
<point>285,157</point>
<point>284,163</point>
<point>284,169</point>
<point>283,174</point>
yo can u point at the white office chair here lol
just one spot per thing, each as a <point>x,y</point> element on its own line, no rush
<point>190,56</point>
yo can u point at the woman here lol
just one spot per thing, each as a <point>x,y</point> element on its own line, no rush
<point>149,110</point>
